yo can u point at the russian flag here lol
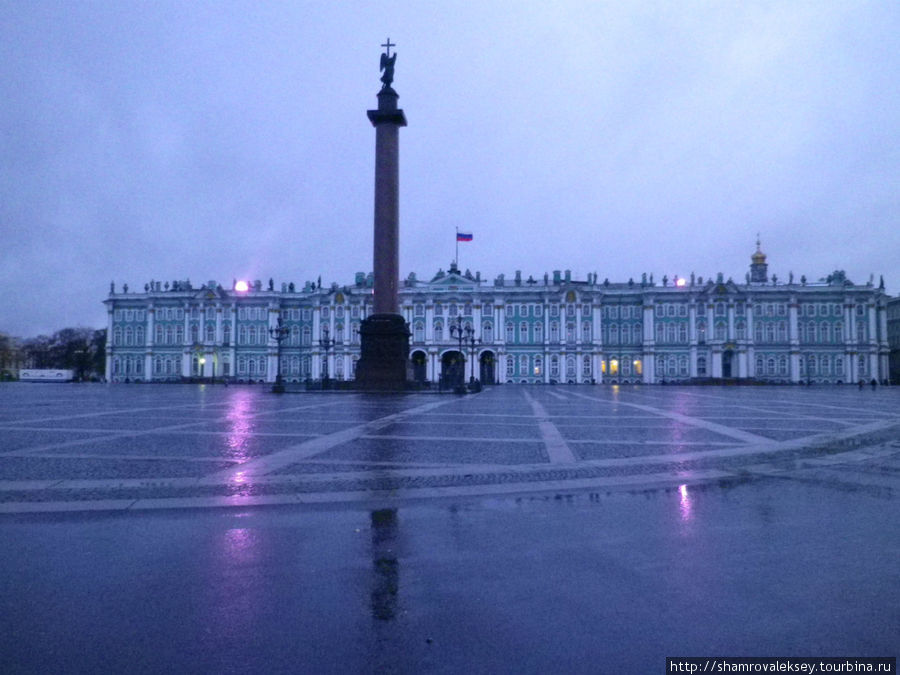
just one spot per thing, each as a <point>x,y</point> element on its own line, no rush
<point>462,236</point>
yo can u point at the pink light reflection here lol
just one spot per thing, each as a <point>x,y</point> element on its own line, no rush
<point>685,502</point>
<point>240,429</point>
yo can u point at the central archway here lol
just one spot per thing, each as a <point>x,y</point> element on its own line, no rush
<point>453,369</point>
<point>487,362</point>
<point>419,366</point>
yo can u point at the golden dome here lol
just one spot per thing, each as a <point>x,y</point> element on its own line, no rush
<point>758,258</point>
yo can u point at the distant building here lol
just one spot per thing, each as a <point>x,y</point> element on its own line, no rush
<point>893,333</point>
<point>551,329</point>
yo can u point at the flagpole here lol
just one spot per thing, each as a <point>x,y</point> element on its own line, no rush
<point>456,262</point>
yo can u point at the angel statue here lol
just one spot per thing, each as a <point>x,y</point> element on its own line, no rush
<point>387,65</point>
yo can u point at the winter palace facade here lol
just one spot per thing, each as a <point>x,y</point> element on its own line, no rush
<point>548,330</point>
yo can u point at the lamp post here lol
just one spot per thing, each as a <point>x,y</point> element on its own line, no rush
<point>278,333</point>
<point>201,362</point>
<point>462,334</point>
<point>327,343</point>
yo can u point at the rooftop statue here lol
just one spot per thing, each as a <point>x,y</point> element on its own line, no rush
<point>387,65</point>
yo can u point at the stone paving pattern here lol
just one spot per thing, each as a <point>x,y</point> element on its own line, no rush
<point>75,447</point>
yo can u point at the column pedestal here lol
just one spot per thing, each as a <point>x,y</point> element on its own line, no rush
<point>384,363</point>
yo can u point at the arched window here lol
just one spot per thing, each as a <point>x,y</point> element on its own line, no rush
<point>307,335</point>
<point>586,366</point>
<point>862,364</point>
<point>523,364</point>
<point>179,334</point>
<point>510,333</point>
<point>538,365</point>
<point>760,370</point>
<point>660,332</point>
<point>570,365</point>
<point>701,332</point>
<point>195,333</point>
<point>586,331</point>
<point>670,333</point>
<point>554,366</point>
<point>770,332</point>
<point>570,332</point>
<point>782,331</point>
<point>826,332</point>
<point>487,331</point>
<point>510,366</point>
<point>226,333</point>
<point>554,331</point>
<point>251,335</point>
<point>825,365</point>
<point>339,333</point>
<point>438,331</point>
<point>770,366</point>
<point>811,365</point>
<point>523,332</point>
<point>295,335</point>
<point>782,365</point>
<point>701,366</point>
<point>720,330</point>
<point>683,366</point>
<point>614,334</point>
<point>758,332</point>
<point>159,334</point>
<point>129,335</point>
<point>419,331</point>
<point>339,367</point>
<point>683,333</point>
<point>538,332</point>
<point>210,332</point>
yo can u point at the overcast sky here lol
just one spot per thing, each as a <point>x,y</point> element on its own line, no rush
<point>221,140</point>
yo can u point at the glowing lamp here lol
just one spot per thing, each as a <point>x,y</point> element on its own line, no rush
<point>680,282</point>
<point>242,287</point>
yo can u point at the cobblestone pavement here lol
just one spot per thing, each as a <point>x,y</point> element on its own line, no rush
<point>137,447</point>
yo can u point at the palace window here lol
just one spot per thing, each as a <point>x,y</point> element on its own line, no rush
<point>210,332</point>
<point>438,331</point>
<point>682,333</point>
<point>438,309</point>
<point>523,310</point>
<point>510,332</point>
<point>538,365</point>
<point>570,332</point>
<point>419,331</point>
<point>554,366</point>
<point>683,366</point>
<point>510,366</point>
<point>701,366</point>
<point>523,364</point>
<point>538,310</point>
<point>226,332</point>
<point>538,332</point>
<point>454,310</point>
<point>586,366</point>
<point>720,330</point>
<point>570,366</point>
<point>523,332</point>
<point>554,331</point>
<point>487,332</point>
<point>782,365</point>
<point>307,335</point>
<point>586,331</point>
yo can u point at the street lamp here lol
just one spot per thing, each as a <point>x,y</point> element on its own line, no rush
<point>327,343</point>
<point>278,333</point>
<point>201,362</point>
<point>462,334</point>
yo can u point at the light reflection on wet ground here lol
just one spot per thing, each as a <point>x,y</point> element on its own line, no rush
<point>555,582</point>
<point>140,446</point>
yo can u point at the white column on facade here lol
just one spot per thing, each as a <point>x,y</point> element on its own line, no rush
<point>793,326</point>
<point>795,366</point>
<point>578,334</point>
<point>850,313</point>
<point>500,324</point>
<point>148,343</point>
<point>109,343</point>
<point>429,321</point>
<point>873,329</point>
<point>730,310</point>
<point>648,352</point>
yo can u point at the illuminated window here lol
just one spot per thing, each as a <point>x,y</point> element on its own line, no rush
<point>638,367</point>
<point>614,366</point>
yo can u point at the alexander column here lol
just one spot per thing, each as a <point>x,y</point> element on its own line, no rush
<point>384,336</point>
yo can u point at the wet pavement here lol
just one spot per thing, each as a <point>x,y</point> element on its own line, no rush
<point>523,529</point>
